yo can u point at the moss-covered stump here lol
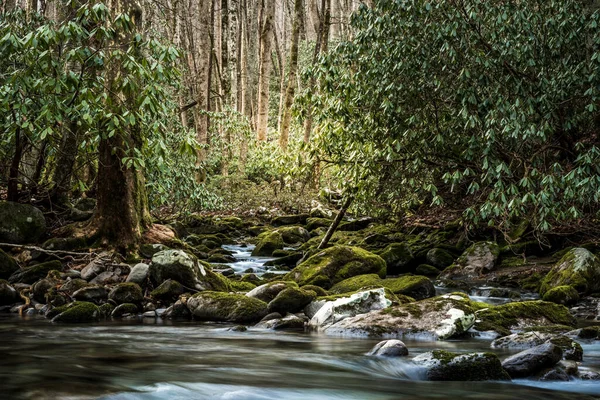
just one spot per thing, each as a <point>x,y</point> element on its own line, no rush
<point>35,272</point>
<point>566,295</point>
<point>20,223</point>
<point>443,365</point>
<point>123,309</point>
<point>418,287</point>
<point>169,290</point>
<point>291,300</point>
<point>398,258</point>
<point>269,291</point>
<point>439,258</point>
<point>333,265</point>
<point>8,294</point>
<point>438,318</point>
<point>8,265</point>
<point>187,270</point>
<point>477,260</point>
<point>127,292</point>
<point>229,307</point>
<point>76,312</point>
<point>268,243</point>
<point>578,268</point>
<point>521,315</point>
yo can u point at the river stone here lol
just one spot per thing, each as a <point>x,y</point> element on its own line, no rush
<point>531,361</point>
<point>138,273</point>
<point>40,288</point>
<point>269,291</point>
<point>73,285</point>
<point>169,290</point>
<point>389,348</point>
<point>522,340</point>
<point>35,272</point>
<point>293,235</point>
<point>418,287</point>
<point>125,308</point>
<point>8,294</point>
<point>229,307</point>
<point>289,322</point>
<point>441,365</point>
<point>333,265</point>
<point>578,268</point>
<point>439,258</point>
<point>268,242</point>
<point>398,258</point>
<point>96,266</point>
<point>289,220</point>
<point>291,300</point>
<point>127,292</point>
<point>438,318</point>
<point>95,294</point>
<point>77,312</point>
<point>8,265</point>
<point>348,306</point>
<point>478,259</point>
<point>20,223</point>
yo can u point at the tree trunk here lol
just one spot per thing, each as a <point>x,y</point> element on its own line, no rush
<point>291,83</point>
<point>63,172</point>
<point>202,47</point>
<point>336,222</point>
<point>13,174</point>
<point>264,72</point>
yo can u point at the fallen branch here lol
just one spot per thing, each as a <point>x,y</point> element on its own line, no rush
<point>55,253</point>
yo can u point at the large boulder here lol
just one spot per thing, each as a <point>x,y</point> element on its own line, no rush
<point>229,307</point>
<point>35,272</point>
<point>441,365</point>
<point>437,318</point>
<point>439,258</point>
<point>291,300</point>
<point>325,313</point>
<point>566,295</point>
<point>76,312</point>
<point>127,292</point>
<point>399,258</point>
<point>578,268</point>
<point>187,270</point>
<point>138,273</point>
<point>333,265</point>
<point>418,287</point>
<point>531,361</point>
<point>478,259</point>
<point>20,223</point>
<point>293,235</point>
<point>268,243</point>
<point>526,340</point>
<point>8,265</point>
<point>520,315</point>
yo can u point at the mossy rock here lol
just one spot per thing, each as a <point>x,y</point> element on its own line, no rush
<point>268,243</point>
<point>210,241</point>
<point>566,295</point>
<point>356,283</point>
<point>35,272</point>
<point>8,265</point>
<point>125,308</point>
<point>418,287</point>
<point>571,349</point>
<point>127,292</point>
<point>8,294</point>
<point>227,307</point>
<point>314,223</point>
<point>439,258</point>
<point>91,293</point>
<point>427,270</point>
<point>399,258</point>
<point>167,291</point>
<point>578,268</point>
<point>299,219</point>
<point>478,259</point>
<point>442,365</point>
<point>333,265</point>
<point>317,289</point>
<point>241,286</point>
<point>505,317</point>
<point>106,310</point>
<point>149,250</point>
<point>268,291</point>
<point>20,223</point>
<point>73,285</point>
<point>292,235</point>
<point>291,300</point>
<point>77,312</point>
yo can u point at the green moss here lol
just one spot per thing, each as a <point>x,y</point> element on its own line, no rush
<point>355,283</point>
<point>35,272</point>
<point>589,332</point>
<point>503,317</point>
<point>314,223</point>
<point>549,329</point>
<point>269,242</point>
<point>127,292</point>
<point>77,312</point>
<point>241,286</point>
<point>571,349</point>
<point>398,258</point>
<point>219,306</point>
<point>319,291</point>
<point>411,285</point>
<point>125,308</point>
<point>168,290</point>
<point>531,282</point>
<point>466,367</point>
<point>566,295</point>
<point>106,310</point>
<point>291,300</point>
<point>578,268</point>
<point>8,265</point>
<point>427,270</point>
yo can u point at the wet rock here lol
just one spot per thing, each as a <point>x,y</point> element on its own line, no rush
<point>526,340</point>
<point>289,322</point>
<point>291,300</point>
<point>77,312</point>
<point>149,250</point>
<point>138,273</point>
<point>389,348</point>
<point>20,223</point>
<point>179,310</point>
<point>220,259</point>
<point>443,365</point>
<point>299,219</point>
<point>106,310</point>
<point>437,318</point>
<point>427,270</point>
<point>293,235</point>
<point>338,309</point>
<point>40,288</point>
<point>230,307</point>
<point>123,309</point>
<point>169,290</point>
<point>8,265</point>
<point>95,294</point>
<point>8,294</point>
<point>270,316</point>
<point>578,268</point>
<point>439,258</point>
<point>35,272</point>
<point>238,328</point>
<point>333,265</point>
<point>73,285</point>
<point>398,258</point>
<point>478,259</point>
<point>128,292</point>
<point>268,242</point>
<point>531,361</point>
<point>68,243</point>
<point>416,286</point>
<point>96,266</point>
<point>589,376</point>
<point>269,291</point>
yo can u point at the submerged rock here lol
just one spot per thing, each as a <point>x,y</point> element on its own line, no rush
<point>443,365</point>
<point>531,361</point>
<point>389,348</point>
<point>526,340</point>
<point>578,268</point>
<point>20,223</point>
<point>230,307</point>
<point>440,318</point>
<point>333,265</point>
<point>478,259</point>
<point>125,308</point>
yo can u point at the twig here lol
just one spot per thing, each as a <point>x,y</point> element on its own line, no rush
<point>53,252</point>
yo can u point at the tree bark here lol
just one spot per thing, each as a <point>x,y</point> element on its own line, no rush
<point>336,222</point>
<point>264,72</point>
<point>63,171</point>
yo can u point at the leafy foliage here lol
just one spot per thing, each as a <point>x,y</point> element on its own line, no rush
<point>488,104</point>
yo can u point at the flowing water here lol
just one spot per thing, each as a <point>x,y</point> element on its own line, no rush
<point>155,359</point>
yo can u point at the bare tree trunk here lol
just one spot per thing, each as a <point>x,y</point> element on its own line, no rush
<point>291,83</point>
<point>63,172</point>
<point>264,72</point>
<point>336,222</point>
<point>202,61</point>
